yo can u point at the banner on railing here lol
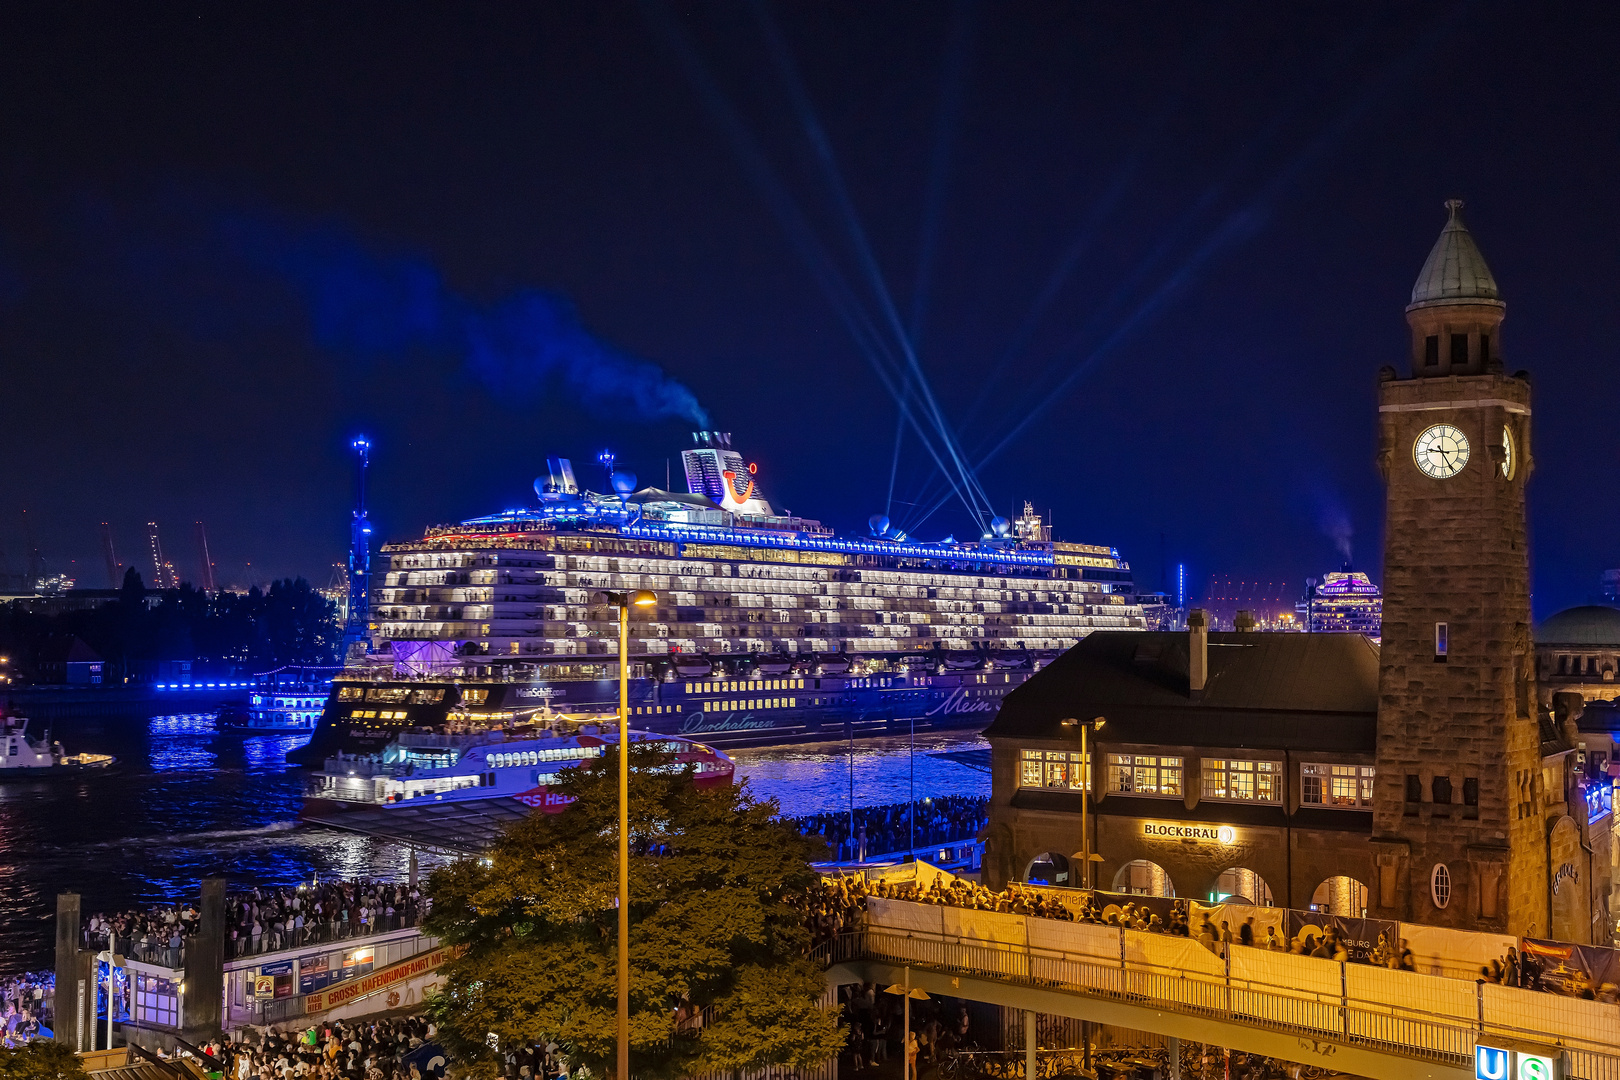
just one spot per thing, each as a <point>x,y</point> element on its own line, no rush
<point>1360,937</point>
<point>1457,954</point>
<point>1567,969</point>
<point>1169,952</point>
<point>392,975</point>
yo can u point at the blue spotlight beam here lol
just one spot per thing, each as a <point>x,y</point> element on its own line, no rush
<point>979,506</point>
<point>953,82</point>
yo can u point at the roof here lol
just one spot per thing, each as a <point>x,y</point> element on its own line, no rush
<point>1455,271</point>
<point>1592,624</point>
<point>463,827</point>
<point>68,651</point>
<point>659,495</point>
<point>1264,690</point>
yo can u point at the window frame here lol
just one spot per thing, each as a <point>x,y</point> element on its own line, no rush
<point>1044,761</point>
<point>1360,777</point>
<point>1222,767</point>
<point>1130,768</point>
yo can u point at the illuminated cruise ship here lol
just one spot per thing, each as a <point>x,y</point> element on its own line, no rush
<point>768,627</point>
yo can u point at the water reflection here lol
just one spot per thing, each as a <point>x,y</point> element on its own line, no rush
<point>815,778</point>
<point>189,801</point>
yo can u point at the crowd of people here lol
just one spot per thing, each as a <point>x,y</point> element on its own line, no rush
<point>26,1006</point>
<point>263,919</point>
<point>875,1021</point>
<point>872,831</point>
<point>389,1049</point>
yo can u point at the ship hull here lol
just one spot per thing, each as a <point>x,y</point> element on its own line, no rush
<point>724,713</point>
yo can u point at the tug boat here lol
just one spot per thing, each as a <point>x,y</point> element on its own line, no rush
<point>423,767</point>
<point>30,759</point>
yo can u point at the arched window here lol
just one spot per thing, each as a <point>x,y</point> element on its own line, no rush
<point>1440,885</point>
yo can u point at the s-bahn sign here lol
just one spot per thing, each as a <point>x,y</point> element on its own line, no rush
<point>1501,1063</point>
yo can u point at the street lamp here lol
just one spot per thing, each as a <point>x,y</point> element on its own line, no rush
<point>624,602</point>
<point>1086,727</point>
<point>910,993</point>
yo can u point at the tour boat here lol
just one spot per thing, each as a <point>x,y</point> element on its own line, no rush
<point>442,767</point>
<point>30,759</point>
<point>287,700</point>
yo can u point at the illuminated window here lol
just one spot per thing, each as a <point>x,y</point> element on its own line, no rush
<point>1136,774</point>
<point>1052,769</point>
<point>1344,786</point>
<point>1243,781</point>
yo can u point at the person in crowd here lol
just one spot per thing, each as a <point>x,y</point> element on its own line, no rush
<point>264,919</point>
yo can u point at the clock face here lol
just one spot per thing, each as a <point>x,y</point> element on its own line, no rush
<point>1441,451</point>
<point>1508,461</point>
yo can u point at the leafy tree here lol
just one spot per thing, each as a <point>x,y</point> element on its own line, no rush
<point>714,925</point>
<point>40,1060</point>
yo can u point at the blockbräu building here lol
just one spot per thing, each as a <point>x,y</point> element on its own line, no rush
<point>1420,779</point>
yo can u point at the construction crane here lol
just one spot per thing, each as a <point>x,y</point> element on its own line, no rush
<point>36,565</point>
<point>114,579</point>
<point>163,575</point>
<point>357,628</point>
<point>207,579</point>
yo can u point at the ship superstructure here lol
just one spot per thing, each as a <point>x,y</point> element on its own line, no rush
<point>509,611</point>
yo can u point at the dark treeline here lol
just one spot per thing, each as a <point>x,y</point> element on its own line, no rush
<point>225,632</point>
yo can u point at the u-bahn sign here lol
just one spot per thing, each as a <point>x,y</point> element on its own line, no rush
<point>1501,1063</point>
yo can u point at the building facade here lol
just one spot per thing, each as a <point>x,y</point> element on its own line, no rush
<point>1454,799</point>
<point>1578,651</point>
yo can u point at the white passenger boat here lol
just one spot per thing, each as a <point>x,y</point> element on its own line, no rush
<point>433,767</point>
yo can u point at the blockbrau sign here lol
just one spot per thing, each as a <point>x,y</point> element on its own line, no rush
<point>406,969</point>
<point>1170,830</point>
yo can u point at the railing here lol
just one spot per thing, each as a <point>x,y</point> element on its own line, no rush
<point>162,954</point>
<point>1401,1030</point>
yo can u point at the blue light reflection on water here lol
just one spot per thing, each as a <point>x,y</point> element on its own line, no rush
<point>187,801</point>
<point>815,778</point>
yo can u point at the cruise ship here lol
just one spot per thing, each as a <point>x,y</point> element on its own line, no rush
<point>768,627</point>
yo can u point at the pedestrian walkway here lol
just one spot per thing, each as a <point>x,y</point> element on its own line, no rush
<point>1357,1019</point>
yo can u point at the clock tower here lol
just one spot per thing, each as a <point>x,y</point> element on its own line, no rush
<point>1458,823</point>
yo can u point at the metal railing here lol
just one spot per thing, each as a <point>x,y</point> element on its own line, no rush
<point>1402,1032</point>
<point>162,954</point>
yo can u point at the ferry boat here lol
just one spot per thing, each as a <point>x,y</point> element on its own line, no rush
<point>768,627</point>
<point>25,758</point>
<point>286,700</point>
<point>420,768</point>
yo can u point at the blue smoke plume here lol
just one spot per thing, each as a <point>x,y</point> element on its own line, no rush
<point>224,272</point>
<point>1334,522</point>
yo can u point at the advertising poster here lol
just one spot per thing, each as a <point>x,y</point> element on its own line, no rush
<point>264,986</point>
<point>1562,968</point>
<point>314,973</point>
<point>1360,936</point>
<point>1162,906</point>
<point>357,962</point>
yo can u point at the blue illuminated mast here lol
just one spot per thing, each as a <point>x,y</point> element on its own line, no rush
<point>357,628</point>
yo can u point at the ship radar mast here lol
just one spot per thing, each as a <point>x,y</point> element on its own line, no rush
<point>357,627</point>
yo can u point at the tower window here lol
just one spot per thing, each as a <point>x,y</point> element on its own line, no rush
<point>1459,349</point>
<point>1442,790</point>
<point>1431,350</point>
<point>1484,350</point>
<point>1471,791</point>
<point>1414,787</point>
<point>1440,885</point>
<point>1442,641</point>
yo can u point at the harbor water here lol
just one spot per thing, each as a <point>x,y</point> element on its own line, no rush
<point>187,802</point>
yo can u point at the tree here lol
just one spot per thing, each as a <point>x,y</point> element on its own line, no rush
<point>715,925</point>
<point>40,1060</point>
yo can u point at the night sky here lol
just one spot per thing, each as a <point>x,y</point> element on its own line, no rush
<point>1165,249</point>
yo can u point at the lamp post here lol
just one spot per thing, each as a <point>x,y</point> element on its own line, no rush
<point>624,601</point>
<point>1086,727</point>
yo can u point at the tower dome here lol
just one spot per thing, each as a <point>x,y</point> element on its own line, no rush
<point>1455,271</point>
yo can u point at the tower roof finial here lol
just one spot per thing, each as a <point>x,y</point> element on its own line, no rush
<point>1455,271</point>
